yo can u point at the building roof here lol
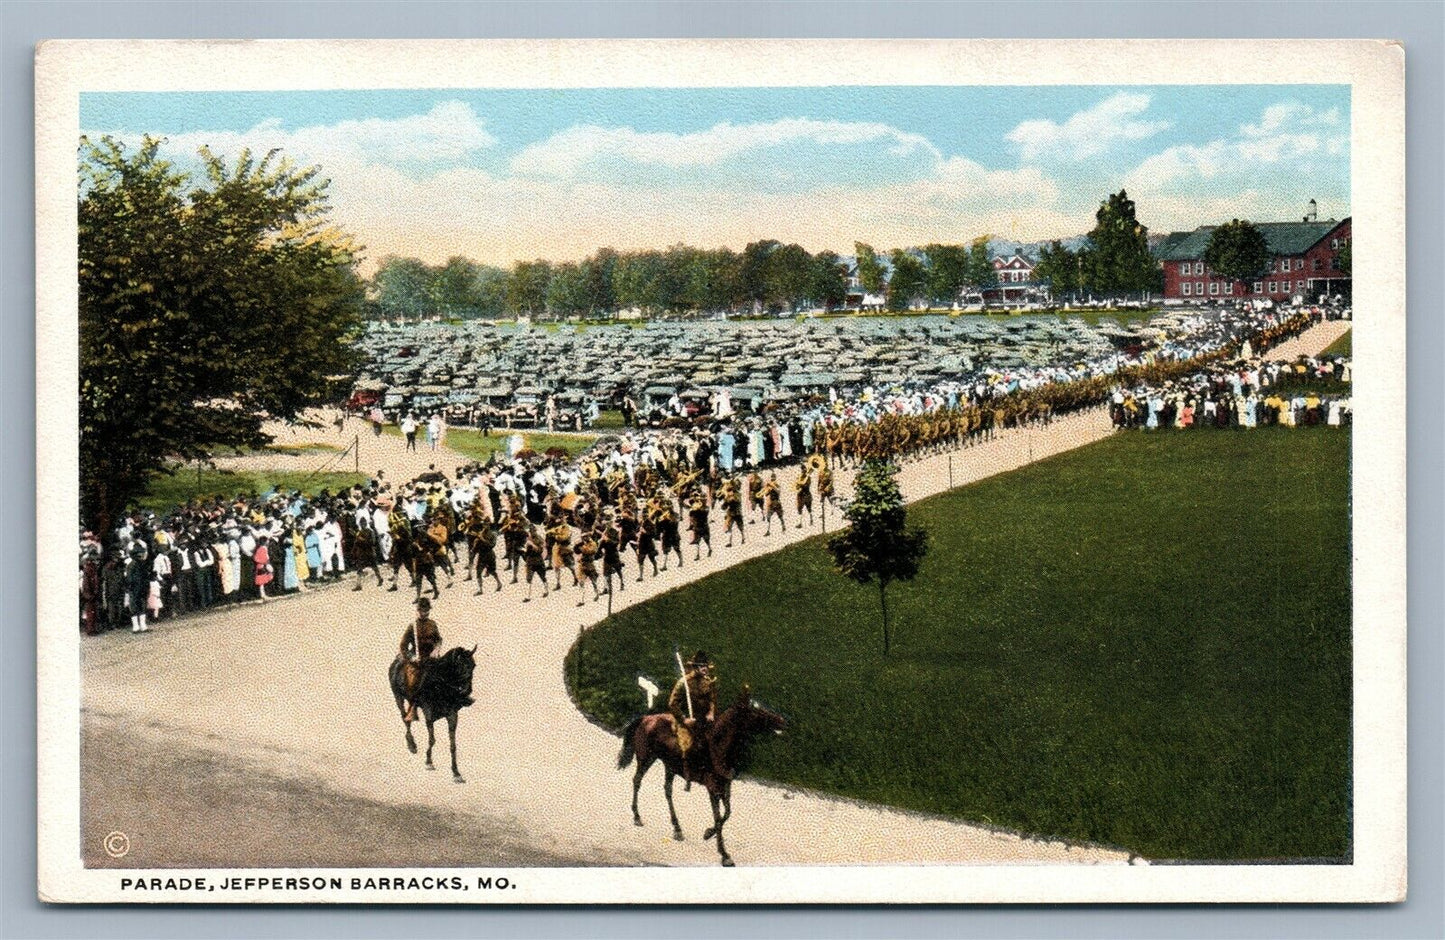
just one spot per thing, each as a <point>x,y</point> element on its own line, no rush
<point>1283,238</point>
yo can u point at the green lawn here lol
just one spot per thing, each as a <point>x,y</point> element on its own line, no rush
<point>479,446</point>
<point>1341,346</point>
<point>168,491</point>
<point>1144,643</point>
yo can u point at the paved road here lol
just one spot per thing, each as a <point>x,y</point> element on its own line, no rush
<point>258,714</point>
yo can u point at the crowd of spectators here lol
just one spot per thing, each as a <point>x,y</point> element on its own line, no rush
<point>215,551</point>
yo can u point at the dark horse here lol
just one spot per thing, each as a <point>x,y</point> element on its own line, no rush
<point>652,737</point>
<point>446,688</point>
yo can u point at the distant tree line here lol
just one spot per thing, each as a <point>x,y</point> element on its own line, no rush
<point>765,277</point>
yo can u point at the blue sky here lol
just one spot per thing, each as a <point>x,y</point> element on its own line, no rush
<point>506,174</point>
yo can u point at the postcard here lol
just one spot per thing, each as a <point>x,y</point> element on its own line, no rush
<point>508,472</point>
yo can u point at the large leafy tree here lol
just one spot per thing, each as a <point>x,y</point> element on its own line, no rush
<point>403,287</point>
<point>1118,259</point>
<point>205,307</point>
<point>1238,251</point>
<point>829,281</point>
<point>909,281</point>
<point>981,272</point>
<point>948,268</point>
<point>878,547</point>
<point>755,271</point>
<point>789,276</point>
<point>872,276</point>
<point>527,286</point>
<point>1060,267</point>
<point>567,290</point>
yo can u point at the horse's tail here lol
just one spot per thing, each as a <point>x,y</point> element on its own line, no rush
<point>624,756</point>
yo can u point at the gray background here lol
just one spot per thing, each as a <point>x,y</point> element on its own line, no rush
<point>1421,25</point>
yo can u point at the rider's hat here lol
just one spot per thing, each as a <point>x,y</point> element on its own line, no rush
<point>423,604</point>
<point>699,659</point>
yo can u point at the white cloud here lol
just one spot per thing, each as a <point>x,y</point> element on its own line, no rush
<point>406,187</point>
<point>1284,134</point>
<point>569,153</point>
<point>1087,133</point>
<point>1267,171</point>
<point>449,132</point>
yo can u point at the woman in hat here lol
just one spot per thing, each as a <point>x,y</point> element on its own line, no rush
<point>261,558</point>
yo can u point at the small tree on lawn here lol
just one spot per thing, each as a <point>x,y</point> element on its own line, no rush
<point>878,546</point>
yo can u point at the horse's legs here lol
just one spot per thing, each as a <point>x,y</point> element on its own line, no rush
<point>643,763</point>
<point>452,740</point>
<point>410,741</point>
<point>671,810</point>
<point>716,829</point>
<point>431,740</point>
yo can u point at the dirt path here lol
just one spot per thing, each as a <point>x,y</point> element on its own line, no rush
<point>294,693</point>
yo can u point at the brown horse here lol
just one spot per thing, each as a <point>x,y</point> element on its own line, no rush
<point>445,689</point>
<point>653,737</point>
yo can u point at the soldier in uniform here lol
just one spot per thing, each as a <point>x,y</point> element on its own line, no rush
<point>755,493</point>
<point>418,642</point>
<point>514,537</point>
<point>534,558</point>
<point>364,550</point>
<point>732,500</point>
<point>773,499</point>
<point>646,545</point>
<point>561,537</point>
<point>825,486</point>
<point>698,686</point>
<point>482,556</point>
<point>587,552</point>
<point>668,531</point>
<point>697,512</point>
<point>610,545</point>
<point>803,490</point>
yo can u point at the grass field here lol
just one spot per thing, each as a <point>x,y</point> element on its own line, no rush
<point>1341,346</point>
<point>1144,643</point>
<point>167,492</point>
<point>479,446</point>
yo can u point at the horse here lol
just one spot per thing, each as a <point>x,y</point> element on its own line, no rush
<point>446,688</point>
<point>653,737</point>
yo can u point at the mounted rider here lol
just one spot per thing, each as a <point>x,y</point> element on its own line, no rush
<point>698,687</point>
<point>418,642</point>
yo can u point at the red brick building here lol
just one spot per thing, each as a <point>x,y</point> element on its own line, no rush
<point>1305,264</point>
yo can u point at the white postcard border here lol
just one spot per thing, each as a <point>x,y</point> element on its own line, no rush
<point>1373,69</point>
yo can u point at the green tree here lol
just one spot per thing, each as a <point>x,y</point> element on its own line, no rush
<point>567,293</point>
<point>878,546</point>
<point>909,281</point>
<point>981,273</point>
<point>601,270</point>
<point>490,291</point>
<point>1060,267</point>
<point>872,276</point>
<point>830,280</point>
<point>454,285</point>
<point>948,272</point>
<point>403,287</point>
<point>527,287</point>
<point>1119,260</point>
<point>204,307</point>
<point>1345,256</point>
<point>755,274</point>
<point>1237,250</point>
<point>789,277</point>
